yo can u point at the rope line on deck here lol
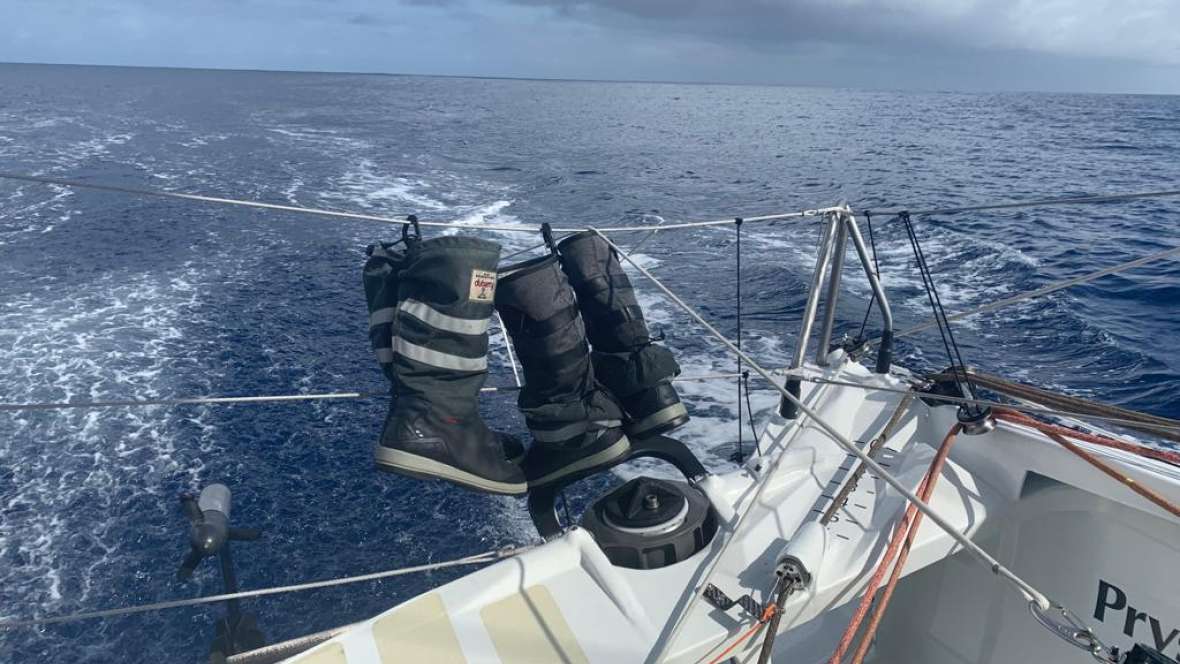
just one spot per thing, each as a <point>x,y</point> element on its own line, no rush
<point>1059,435</point>
<point>898,550</point>
<point>1032,410</point>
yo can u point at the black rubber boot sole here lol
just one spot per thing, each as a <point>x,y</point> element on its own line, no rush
<point>661,421</point>
<point>546,466</point>
<point>407,463</point>
<point>653,411</point>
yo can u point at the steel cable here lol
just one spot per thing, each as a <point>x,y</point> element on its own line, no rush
<point>487,556</point>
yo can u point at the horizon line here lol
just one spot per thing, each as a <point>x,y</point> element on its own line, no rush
<point>551,79</point>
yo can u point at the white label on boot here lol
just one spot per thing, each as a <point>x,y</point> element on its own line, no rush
<point>483,286</point>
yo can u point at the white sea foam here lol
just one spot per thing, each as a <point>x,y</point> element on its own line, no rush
<point>202,141</point>
<point>66,348</point>
<point>368,187</point>
<point>320,137</point>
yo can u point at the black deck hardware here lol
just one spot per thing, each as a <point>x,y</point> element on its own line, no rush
<point>543,499</point>
<point>717,597</point>
<point>1141,654</point>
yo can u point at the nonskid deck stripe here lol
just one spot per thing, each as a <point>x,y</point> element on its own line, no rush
<point>529,627</point>
<point>420,631</point>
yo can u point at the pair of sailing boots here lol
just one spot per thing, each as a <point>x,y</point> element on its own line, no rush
<point>430,305</point>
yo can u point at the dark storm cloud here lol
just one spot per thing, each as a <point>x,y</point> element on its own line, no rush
<point>1142,30</point>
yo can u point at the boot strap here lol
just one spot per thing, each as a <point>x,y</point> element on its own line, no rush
<point>543,328</point>
<point>558,362</point>
<point>617,317</point>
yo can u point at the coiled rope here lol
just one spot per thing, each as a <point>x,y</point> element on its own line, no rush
<point>477,559</point>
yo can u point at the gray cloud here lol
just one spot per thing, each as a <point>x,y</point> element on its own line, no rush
<point>1087,45</point>
<point>1141,30</point>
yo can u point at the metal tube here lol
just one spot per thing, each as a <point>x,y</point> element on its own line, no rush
<point>825,336</point>
<point>885,351</point>
<point>786,407</point>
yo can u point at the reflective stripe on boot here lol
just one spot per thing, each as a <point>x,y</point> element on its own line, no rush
<point>439,358</point>
<point>380,279</point>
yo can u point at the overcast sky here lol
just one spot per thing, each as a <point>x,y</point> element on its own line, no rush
<point>1052,45</point>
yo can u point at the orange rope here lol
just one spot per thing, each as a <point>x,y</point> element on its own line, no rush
<point>1057,434</point>
<point>766,615</point>
<point>903,536</point>
<point>909,522</point>
<point>1170,456</point>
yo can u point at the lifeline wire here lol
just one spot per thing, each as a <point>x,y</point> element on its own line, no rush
<point>1051,288</point>
<point>130,403</point>
<point>487,556</point>
<point>750,412</point>
<point>1030,593</point>
<point>737,226</point>
<point>388,220</point>
<point>321,396</point>
<point>1098,198</point>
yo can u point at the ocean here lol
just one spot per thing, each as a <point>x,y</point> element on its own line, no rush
<point>111,296</point>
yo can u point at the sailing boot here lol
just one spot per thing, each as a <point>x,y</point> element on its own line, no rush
<point>577,426</point>
<point>438,360</point>
<point>380,279</point>
<point>637,371</point>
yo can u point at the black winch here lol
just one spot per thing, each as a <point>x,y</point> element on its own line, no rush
<point>649,523</point>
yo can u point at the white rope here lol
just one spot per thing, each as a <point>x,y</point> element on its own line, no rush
<point>486,557</point>
<point>1030,593</point>
<point>389,220</point>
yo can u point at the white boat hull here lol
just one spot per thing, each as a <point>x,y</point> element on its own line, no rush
<point>1083,539</point>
